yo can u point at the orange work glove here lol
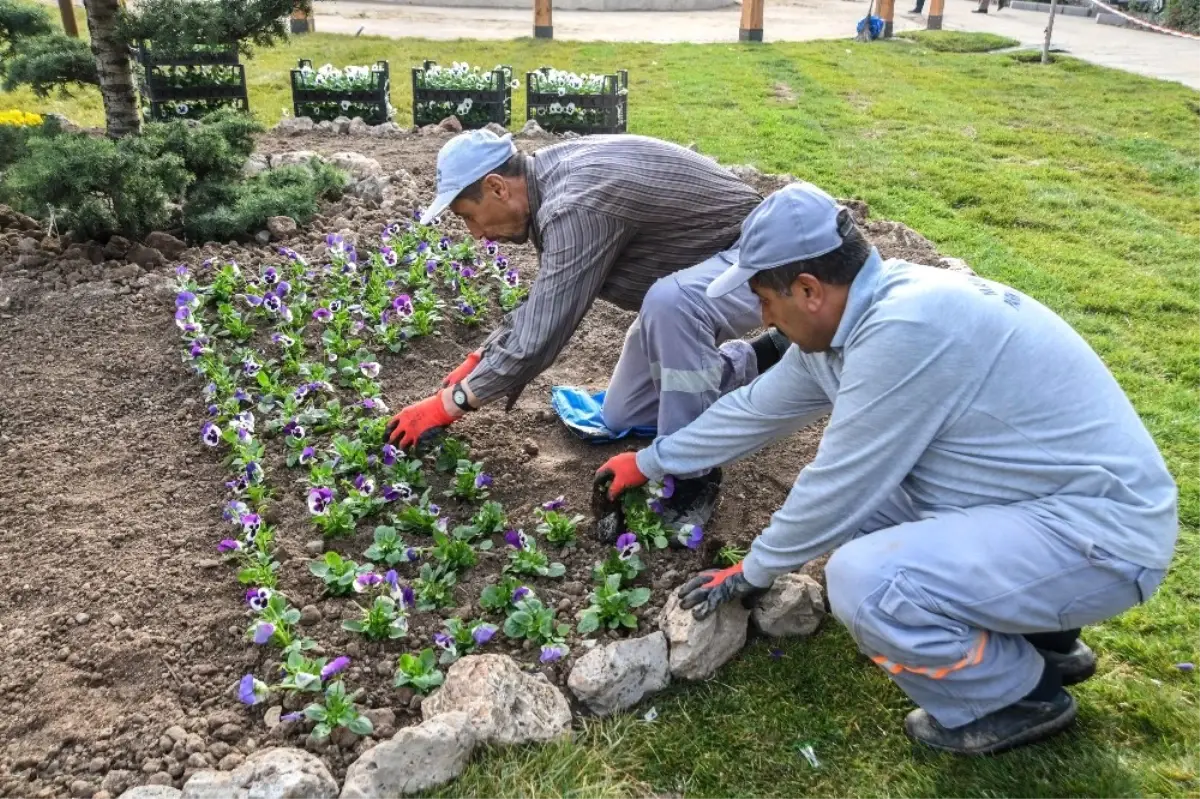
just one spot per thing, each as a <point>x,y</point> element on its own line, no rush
<point>624,471</point>
<point>417,421</point>
<point>709,589</point>
<point>463,371</point>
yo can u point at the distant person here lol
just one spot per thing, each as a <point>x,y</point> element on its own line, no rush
<point>983,6</point>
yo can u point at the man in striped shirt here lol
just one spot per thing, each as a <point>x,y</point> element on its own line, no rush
<point>642,223</point>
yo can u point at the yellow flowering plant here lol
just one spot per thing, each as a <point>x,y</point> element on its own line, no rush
<point>18,118</point>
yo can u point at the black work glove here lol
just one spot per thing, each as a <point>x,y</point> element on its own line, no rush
<point>709,589</point>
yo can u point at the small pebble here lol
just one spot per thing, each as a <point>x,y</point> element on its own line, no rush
<point>82,618</point>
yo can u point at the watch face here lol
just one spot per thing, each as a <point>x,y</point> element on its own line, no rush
<point>460,397</point>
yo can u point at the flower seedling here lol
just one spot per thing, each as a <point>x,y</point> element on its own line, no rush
<point>434,589</point>
<point>300,672</point>
<point>501,596</point>
<point>452,554</point>
<point>525,558</point>
<point>337,710</point>
<point>275,623</point>
<point>334,518</point>
<point>449,453</point>
<point>611,606</point>
<point>388,548</point>
<point>622,560</point>
<point>533,620</point>
<point>489,519</point>
<point>555,526</point>
<point>424,518</point>
<point>461,638</point>
<point>470,482</point>
<point>512,293</point>
<point>730,555</point>
<point>337,573</point>
<point>642,521</point>
<point>419,671</point>
<point>383,620</point>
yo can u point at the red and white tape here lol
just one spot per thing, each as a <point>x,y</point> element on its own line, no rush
<point>1141,23</point>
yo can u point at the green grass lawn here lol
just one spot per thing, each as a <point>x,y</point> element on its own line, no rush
<point>1077,184</point>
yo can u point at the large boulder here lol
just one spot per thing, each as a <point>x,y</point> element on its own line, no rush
<point>358,127</point>
<point>699,648</point>
<point>388,130</point>
<point>256,164</point>
<point>282,773</point>
<point>372,189</point>
<point>416,759</point>
<point>165,243</point>
<point>794,605</point>
<point>357,165</point>
<point>616,677</point>
<point>532,130</point>
<point>504,704</point>
<point>294,126</point>
<point>450,125</point>
<point>281,227</point>
<point>293,158</point>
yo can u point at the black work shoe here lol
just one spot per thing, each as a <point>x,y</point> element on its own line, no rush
<point>1075,666</point>
<point>693,502</point>
<point>1018,724</point>
<point>769,348</point>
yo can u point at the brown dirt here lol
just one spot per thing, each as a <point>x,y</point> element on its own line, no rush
<point>118,620</point>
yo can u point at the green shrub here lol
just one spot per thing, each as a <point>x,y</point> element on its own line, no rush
<point>1184,15</point>
<point>177,26</point>
<point>52,61</point>
<point>14,139</point>
<point>175,173</point>
<point>20,19</point>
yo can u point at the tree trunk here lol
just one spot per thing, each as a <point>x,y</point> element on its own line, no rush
<point>114,68</point>
<point>1049,30</point>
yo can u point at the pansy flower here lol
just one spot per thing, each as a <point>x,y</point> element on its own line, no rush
<point>483,633</point>
<point>210,434</point>
<point>306,455</point>
<point>552,652</point>
<point>364,484</point>
<point>370,369</point>
<point>364,581</point>
<point>252,691</point>
<point>516,539</point>
<point>319,500</point>
<point>558,503</point>
<point>322,315</point>
<point>520,593</point>
<point>228,545</point>
<point>257,598</point>
<point>263,632</point>
<point>627,546</point>
<point>334,666</point>
<point>251,524</point>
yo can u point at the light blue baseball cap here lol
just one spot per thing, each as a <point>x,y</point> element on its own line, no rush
<point>463,160</point>
<point>796,223</point>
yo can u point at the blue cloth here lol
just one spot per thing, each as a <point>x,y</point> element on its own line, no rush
<point>874,22</point>
<point>581,412</point>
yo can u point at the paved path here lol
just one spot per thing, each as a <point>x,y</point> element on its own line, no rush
<point>1143,52</point>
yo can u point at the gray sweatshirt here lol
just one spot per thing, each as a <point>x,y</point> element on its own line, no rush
<point>958,390</point>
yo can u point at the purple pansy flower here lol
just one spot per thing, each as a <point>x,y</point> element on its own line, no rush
<point>403,305</point>
<point>411,555</point>
<point>390,454</point>
<point>444,244</point>
<point>512,278</point>
<point>306,455</point>
<point>228,545</point>
<point>181,270</point>
<point>398,491</point>
<point>257,598</point>
<point>365,484</point>
<point>283,289</point>
<point>370,369</point>
<point>196,350</point>
<point>558,503</point>
<point>270,276</point>
<point>491,247</point>
<point>519,594</point>
<point>392,579</point>
<point>251,367</point>
<point>295,715</point>
<point>282,340</point>
<point>483,633</point>
<point>334,666</point>
<point>272,303</point>
<point>392,230</point>
<point>668,487</point>
<point>501,262</point>
<point>254,472</point>
<point>253,300</point>
<point>516,539</point>
<point>467,273</point>
<point>322,315</point>
<point>466,308</point>
<point>252,691</point>
<point>263,631</point>
<point>695,534</point>
<point>388,255</point>
<point>210,434</point>
<point>627,545</point>
<point>319,500</point>
<point>483,480</point>
<point>552,652</point>
<point>443,640</point>
<point>251,524</point>
<point>657,506</point>
<point>186,299</point>
<point>364,581</point>
<point>238,484</point>
<point>407,597</point>
<point>240,395</point>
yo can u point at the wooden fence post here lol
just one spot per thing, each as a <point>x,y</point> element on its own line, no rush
<point>67,9</point>
<point>751,29</point>
<point>302,20</point>
<point>543,19</point>
<point>936,7</point>
<point>887,11</point>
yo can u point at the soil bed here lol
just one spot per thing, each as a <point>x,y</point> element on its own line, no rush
<point>119,621</point>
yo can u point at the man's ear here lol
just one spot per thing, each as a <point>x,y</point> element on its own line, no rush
<point>496,186</point>
<point>808,287</point>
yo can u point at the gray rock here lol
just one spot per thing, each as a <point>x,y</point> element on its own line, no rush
<point>255,164</point>
<point>357,165</point>
<point>383,720</point>
<point>283,773</point>
<point>341,126</point>
<point>326,126</point>
<point>263,237</point>
<point>161,778</point>
<point>293,158</point>
<point>145,257</point>
<point>358,127</point>
<point>418,758</point>
<point>504,704</point>
<point>82,789</point>
<point>532,130</point>
<point>229,733</point>
<point>699,648</point>
<point>281,227</point>
<point>793,606</point>
<point>746,172</point>
<point>372,189</point>
<point>429,130</point>
<point>294,126</point>
<point>315,547</point>
<point>117,781</point>
<point>450,125</point>
<point>388,130</point>
<point>152,792</point>
<point>497,128</point>
<point>231,761</point>
<point>309,615</point>
<point>616,677</point>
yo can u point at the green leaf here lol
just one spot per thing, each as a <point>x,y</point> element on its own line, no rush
<point>321,731</point>
<point>353,626</point>
<point>556,570</point>
<point>589,622</point>
<point>630,621</point>
<point>361,725</point>
<point>660,541</point>
<point>638,596</point>
<point>316,712</point>
<point>485,545</point>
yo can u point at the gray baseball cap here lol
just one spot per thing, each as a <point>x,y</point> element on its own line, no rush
<point>463,160</point>
<point>796,223</point>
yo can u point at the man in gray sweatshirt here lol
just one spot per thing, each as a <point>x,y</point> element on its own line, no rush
<point>987,486</point>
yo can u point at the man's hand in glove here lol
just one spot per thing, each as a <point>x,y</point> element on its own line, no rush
<point>707,590</point>
<point>625,474</point>
<point>463,371</point>
<point>418,421</point>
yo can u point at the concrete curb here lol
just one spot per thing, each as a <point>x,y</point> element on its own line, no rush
<point>1070,11</point>
<point>1105,18</point>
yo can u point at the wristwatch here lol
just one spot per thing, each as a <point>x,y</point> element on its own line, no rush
<point>459,396</point>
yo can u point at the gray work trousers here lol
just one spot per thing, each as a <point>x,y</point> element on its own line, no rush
<point>683,352</point>
<point>940,600</point>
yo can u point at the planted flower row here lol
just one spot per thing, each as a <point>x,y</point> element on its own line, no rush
<point>287,351</point>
